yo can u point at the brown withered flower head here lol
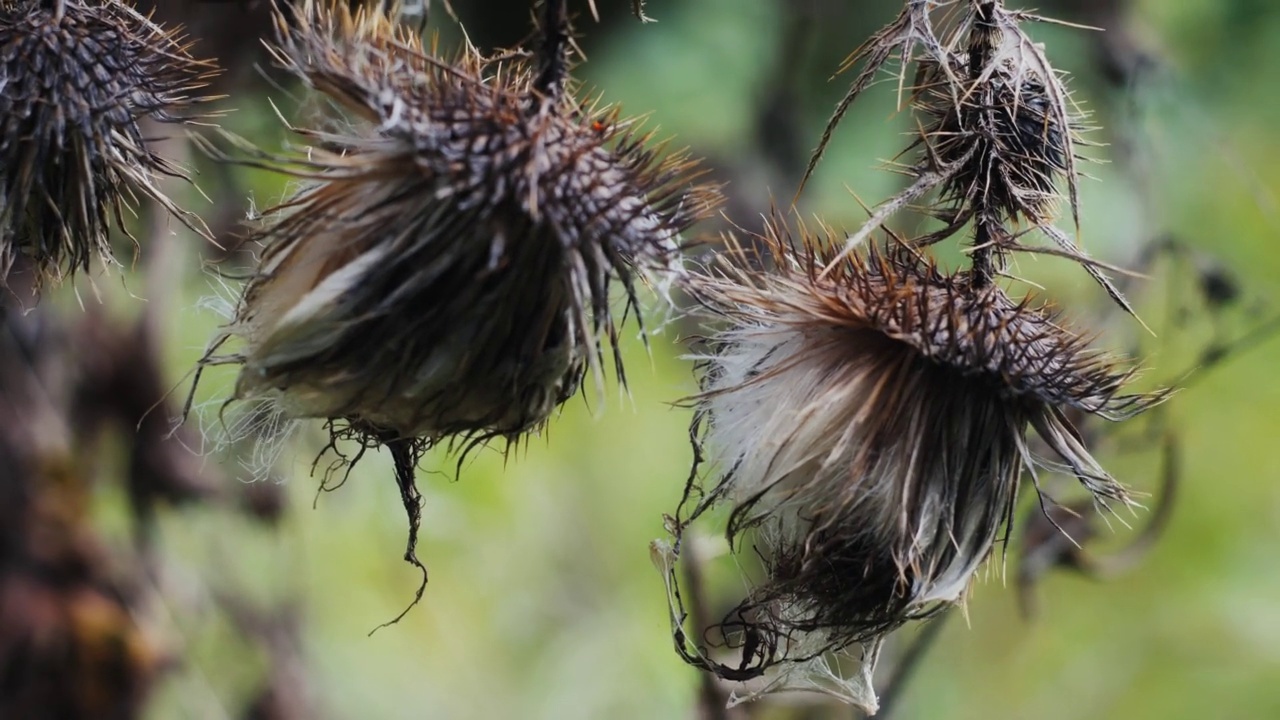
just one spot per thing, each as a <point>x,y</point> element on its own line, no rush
<point>1002,152</point>
<point>865,419</point>
<point>444,272</point>
<point>997,138</point>
<point>76,79</point>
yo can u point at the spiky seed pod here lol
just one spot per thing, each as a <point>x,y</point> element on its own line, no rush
<point>446,268</point>
<point>866,420</point>
<point>999,132</point>
<point>999,127</point>
<point>1008,150</point>
<point>76,78</point>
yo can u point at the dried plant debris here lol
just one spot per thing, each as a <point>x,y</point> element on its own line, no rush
<point>72,640</point>
<point>444,272</point>
<point>997,132</point>
<point>76,79</point>
<point>70,646</point>
<point>865,419</point>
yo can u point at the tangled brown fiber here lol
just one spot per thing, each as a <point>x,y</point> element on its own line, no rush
<point>76,79</point>
<point>864,417</point>
<point>445,271</point>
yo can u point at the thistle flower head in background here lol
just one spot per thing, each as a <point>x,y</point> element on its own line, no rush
<point>1002,151</point>
<point>76,79</point>
<point>998,132</point>
<point>866,420</point>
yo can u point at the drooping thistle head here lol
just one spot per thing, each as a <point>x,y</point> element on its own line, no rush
<point>444,272</point>
<point>77,77</point>
<point>445,269</point>
<point>865,418</point>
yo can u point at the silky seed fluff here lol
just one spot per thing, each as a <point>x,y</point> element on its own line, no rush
<point>865,422</point>
<point>76,78</point>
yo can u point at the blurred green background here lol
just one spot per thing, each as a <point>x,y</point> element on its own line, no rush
<point>543,602</point>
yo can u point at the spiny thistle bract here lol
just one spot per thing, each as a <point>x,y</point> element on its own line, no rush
<point>865,418</point>
<point>444,273</point>
<point>76,79</point>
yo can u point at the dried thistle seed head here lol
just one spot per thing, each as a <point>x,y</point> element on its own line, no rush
<point>1000,146</point>
<point>975,70</point>
<point>446,269</point>
<point>444,274</point>
<point>867,424</point>
<point>999,131</point>
<point>76,78</point>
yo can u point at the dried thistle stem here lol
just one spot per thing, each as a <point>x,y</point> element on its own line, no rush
<point>711,699</point>
<point>979,57</point>
<point>553,70</point>
<point>906,668</point>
